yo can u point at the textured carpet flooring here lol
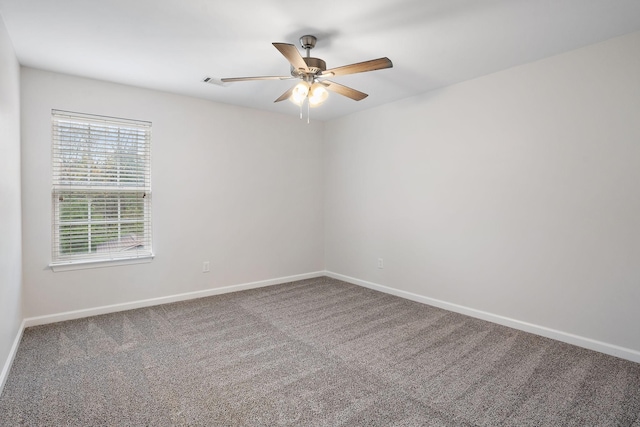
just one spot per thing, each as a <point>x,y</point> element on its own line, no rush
<point>318,352</point>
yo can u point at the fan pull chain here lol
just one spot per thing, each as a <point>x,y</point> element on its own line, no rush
<point>308,111</point>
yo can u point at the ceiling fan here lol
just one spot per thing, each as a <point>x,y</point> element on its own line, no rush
<point>313,72</point>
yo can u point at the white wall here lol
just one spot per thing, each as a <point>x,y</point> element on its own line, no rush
<point>237,187</point>
<point>10,212</point>
<point>516,193</point>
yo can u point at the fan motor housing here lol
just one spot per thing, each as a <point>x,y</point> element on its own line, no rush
<point>315,65</point>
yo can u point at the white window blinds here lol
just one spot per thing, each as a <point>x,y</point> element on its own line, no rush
<point>101,192</point>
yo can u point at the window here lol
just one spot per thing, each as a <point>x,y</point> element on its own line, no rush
<point>101,196</point>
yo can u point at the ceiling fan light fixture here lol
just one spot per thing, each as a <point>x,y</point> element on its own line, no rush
<point>299,93</point>
<point>313,71</point>
<point>317,94</point>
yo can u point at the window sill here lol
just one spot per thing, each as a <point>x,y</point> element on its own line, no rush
<point>98,263</point>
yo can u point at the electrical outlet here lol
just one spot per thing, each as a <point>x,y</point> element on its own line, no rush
<point>206,267</point>
<point>380,263</point>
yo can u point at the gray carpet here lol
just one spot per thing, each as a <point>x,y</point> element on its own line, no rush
<point>317,352</point>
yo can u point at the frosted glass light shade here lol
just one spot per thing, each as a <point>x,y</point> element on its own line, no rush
<point>300,92</point>
<point>317,94</point>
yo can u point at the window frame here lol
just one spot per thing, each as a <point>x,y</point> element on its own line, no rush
<point>112,184</point>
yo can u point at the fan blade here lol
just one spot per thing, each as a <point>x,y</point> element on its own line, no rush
<point>360,67</point>
<point>246,79</point>
<point>356,95</point>
<point>285,95</point>
<point>292,54</point>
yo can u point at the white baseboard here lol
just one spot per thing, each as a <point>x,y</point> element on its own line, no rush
<point>77,314</point>
<point>12,355</point>
<point>602,347</point>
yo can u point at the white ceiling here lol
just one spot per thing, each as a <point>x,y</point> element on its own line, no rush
<point>171,45</point>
